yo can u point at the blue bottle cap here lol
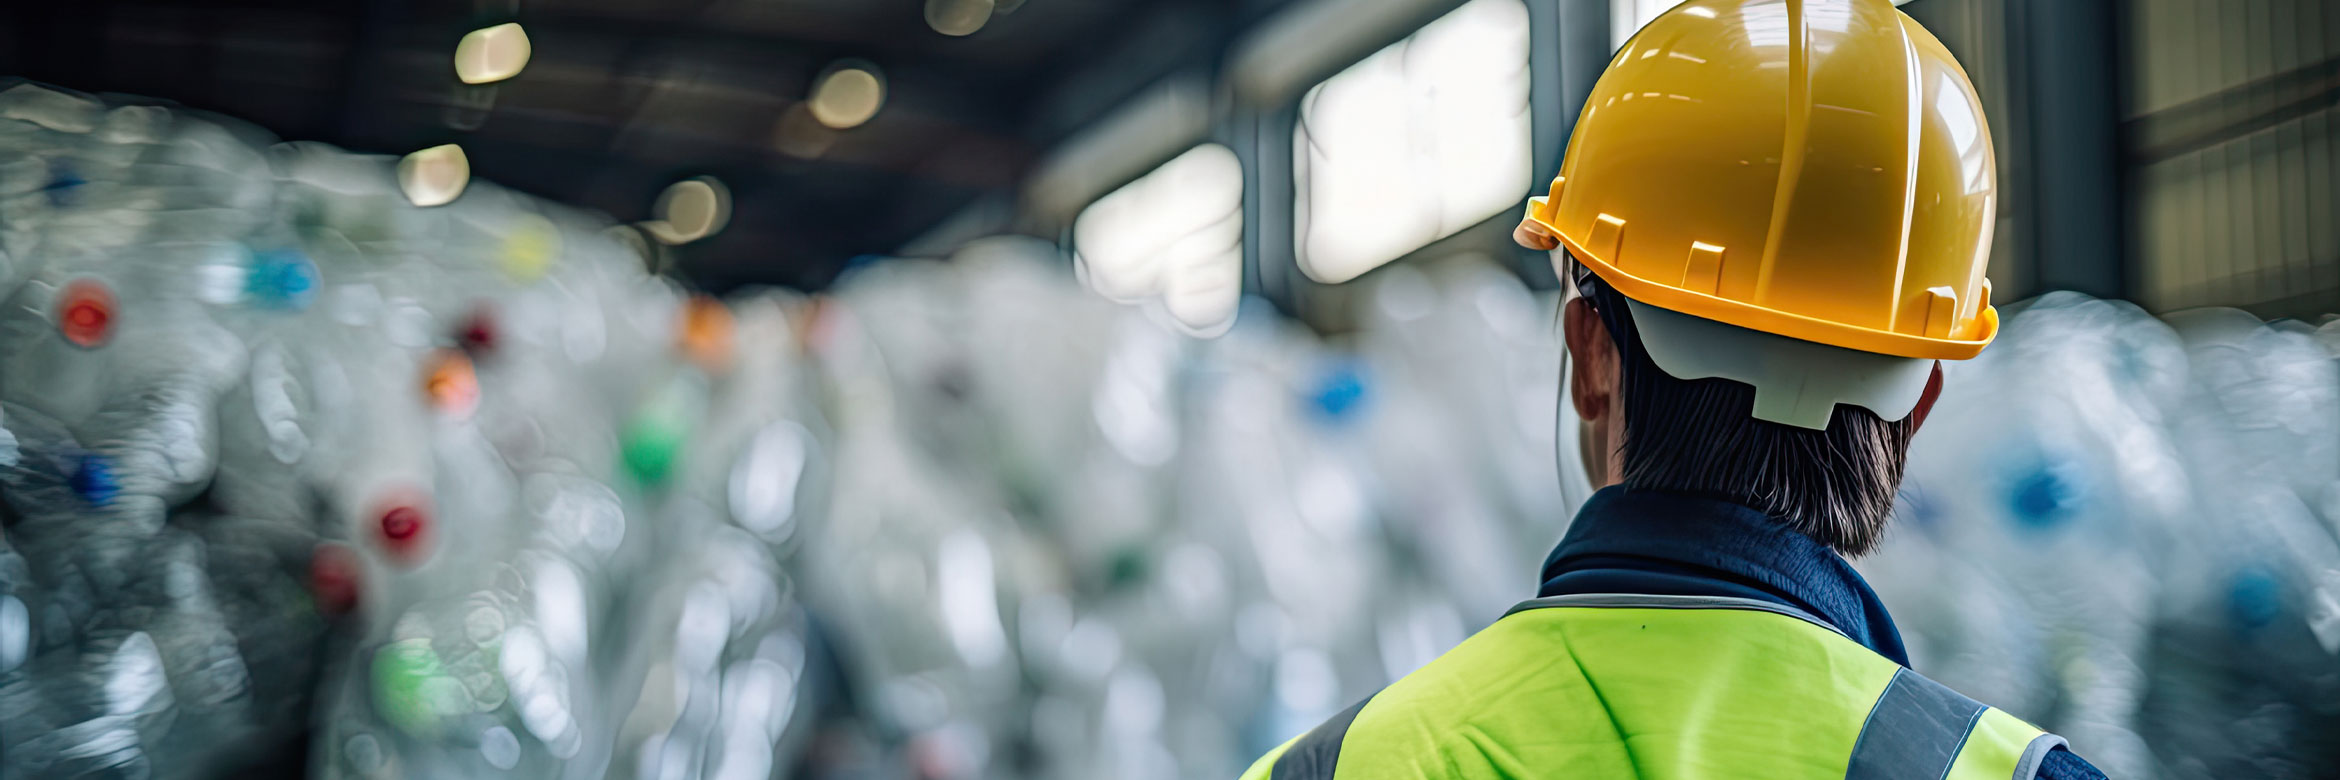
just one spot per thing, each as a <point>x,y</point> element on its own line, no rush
<point>282,279</point>
<point>1340,392</point>
<point>93,479</point>
<point>2254,598</point>
<point>2046,497</point>
<point>64,185</point>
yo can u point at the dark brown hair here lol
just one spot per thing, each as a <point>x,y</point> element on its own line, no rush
<point>1697,437</point>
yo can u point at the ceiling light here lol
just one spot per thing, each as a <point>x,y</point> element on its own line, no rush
<point>958,17</point>
<point>848,96</point>
<point>434,176</point>
<point>690,210</point>
<point>491,54</point>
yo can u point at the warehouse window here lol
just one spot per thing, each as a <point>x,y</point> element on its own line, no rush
<point>1420,140</point>
<point>1174,235</point>
<point>1627,17</point>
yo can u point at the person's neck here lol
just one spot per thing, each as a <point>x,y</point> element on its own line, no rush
<point>1686,539</point>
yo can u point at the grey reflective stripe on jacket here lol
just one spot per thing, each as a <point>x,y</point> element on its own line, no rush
<point>1913,731</point>
<point>1317,754</point>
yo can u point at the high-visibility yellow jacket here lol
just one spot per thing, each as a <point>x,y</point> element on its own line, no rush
<point>1645,686</point>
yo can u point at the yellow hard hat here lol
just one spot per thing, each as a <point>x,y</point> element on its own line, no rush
<point>1815,169</point>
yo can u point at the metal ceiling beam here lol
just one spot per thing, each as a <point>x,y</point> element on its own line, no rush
<point>1309,42</point>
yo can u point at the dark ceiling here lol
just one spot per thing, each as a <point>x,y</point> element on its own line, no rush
<point>623,97</point>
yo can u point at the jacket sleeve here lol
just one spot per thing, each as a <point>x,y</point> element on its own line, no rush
<point>2063,764</point>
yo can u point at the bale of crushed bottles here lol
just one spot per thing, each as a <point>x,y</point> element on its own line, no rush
<point>2113,525</point>
<point>457,491</point>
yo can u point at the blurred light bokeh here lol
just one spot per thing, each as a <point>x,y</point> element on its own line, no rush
<point>1040,389</point>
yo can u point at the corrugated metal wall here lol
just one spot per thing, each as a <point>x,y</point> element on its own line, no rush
<point>2230,138</point>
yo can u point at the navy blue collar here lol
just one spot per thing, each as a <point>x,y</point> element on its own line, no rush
<point>1642,541</point>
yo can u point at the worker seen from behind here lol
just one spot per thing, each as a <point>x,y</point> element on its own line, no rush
<point>1775,216</point>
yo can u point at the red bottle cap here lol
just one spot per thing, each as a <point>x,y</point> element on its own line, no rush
<point>85,312</point>
<point>403,528</point>
<point>478,335</point>
<point>334,573</point>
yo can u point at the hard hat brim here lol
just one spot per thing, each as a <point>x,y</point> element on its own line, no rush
<point>1753,317</point>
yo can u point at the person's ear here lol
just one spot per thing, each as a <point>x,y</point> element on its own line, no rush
<point>1925,404</point>
<point>1592,358</point>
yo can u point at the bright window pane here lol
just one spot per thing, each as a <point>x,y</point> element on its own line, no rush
<point>1420,140</point>
<point>1627,17</point>
<point>1176,233</point>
